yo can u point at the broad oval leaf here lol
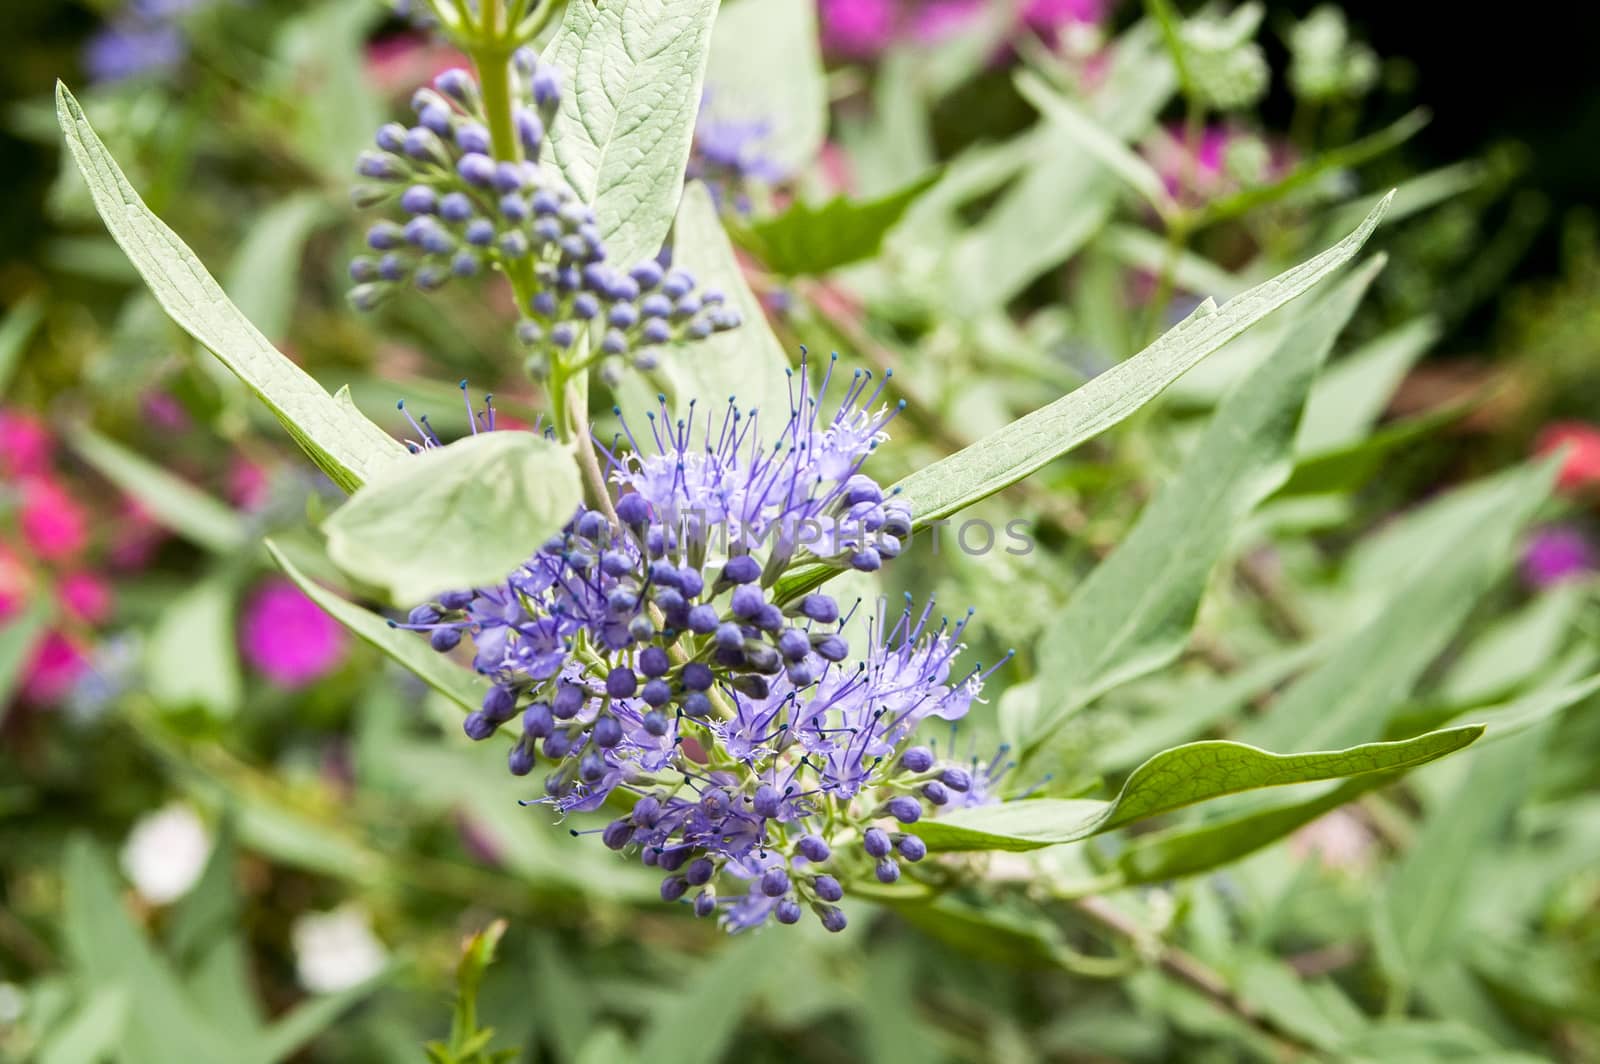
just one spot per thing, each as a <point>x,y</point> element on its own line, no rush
<point>622,139</point>
<point>1172,779</point>
<point>458,516</point>
<point>1008,455</point>
<point>343,443</point>
<point>408,650</point>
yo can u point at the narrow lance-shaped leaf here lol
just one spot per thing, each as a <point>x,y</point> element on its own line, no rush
<point>172,501</point>
<point>622,140</point>
<point>1190,850</point>
<point>458,516</point>
<point>1134,612</point>
<point>1097,141</point>
<point>1008,455</point>
<point>407,649</point>
<point>1196,772</point>
<point>342,443</point>
<point>1348,697</point>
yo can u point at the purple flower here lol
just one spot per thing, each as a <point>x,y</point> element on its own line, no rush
<point>1556,554</point>
<point>128,49</point>
<point>857,29</point>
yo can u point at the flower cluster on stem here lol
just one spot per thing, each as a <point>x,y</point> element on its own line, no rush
<point>654,665</point>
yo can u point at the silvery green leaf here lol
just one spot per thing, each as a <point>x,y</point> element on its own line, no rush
<point>1027,444</point>
<point>459,516</point>
<point>633,71</point>
<point>1134,612</point>
<point>1182,776</point>
<point>766,68</point>
<point>342,443</point>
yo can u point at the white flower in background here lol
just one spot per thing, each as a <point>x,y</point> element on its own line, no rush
<point>165,853</point>
<point>336,950</point>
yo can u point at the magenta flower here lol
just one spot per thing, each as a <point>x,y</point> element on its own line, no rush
<point>52,521</point>
<point>1555,554</point>
<point>1048,17</point>
<point>857,29</point>
<point>25,444</point>
<point>287,638</point>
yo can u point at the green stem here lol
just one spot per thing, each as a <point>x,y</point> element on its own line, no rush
<point>491,57</point>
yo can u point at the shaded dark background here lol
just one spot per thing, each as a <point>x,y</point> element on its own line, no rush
<point>1523,74</point>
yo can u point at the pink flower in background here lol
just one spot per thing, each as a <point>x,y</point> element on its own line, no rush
<point>1555,554</point>
<point>249,487</point>
<point>86,596</point>
<point>1582,440</point>
<point>25,444</point>
<point>164,411</point>
<point>57,665</point>
<point>285,636</point>
<point>857,29</point>
<point>941,20</point>
<point>1046,17</point>
<point>52,521</point>
<point>137,536</point>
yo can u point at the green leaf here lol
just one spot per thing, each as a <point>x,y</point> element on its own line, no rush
<point>807,239</point>
<point>1518,648</point>
<point>1134,612</point>
<point>766,68</point>
<point>458,516</point>
<point>1421,911</point>
<point>171,500</point>
<point>1346,468</point>
<point>748,363</point>
<point>1347,698</point>
<point>18,637</point>
<point>1196,772</point>
<point>92,1032</point>
<point>683,1034</point>
<point>1188,850</point>
<point>211,908</point>
<point>1089,136</point>
<point>622,139</point>
<point>305,1021</point>
<point>1004,457</point>
<point>264,277</point>
<point>15,332</point>
<point>342,443</point>
<point>407,649</point>
<point>107,949</point>
<point>190,659</point>
<point>1351,394</point>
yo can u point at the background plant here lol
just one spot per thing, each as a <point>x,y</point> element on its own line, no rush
<point>1296,601</point>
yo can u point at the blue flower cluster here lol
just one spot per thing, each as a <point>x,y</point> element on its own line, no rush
<point>654,662</point>
<point>730,156</point>
<point>146,37</point>
<point>465,209</point>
